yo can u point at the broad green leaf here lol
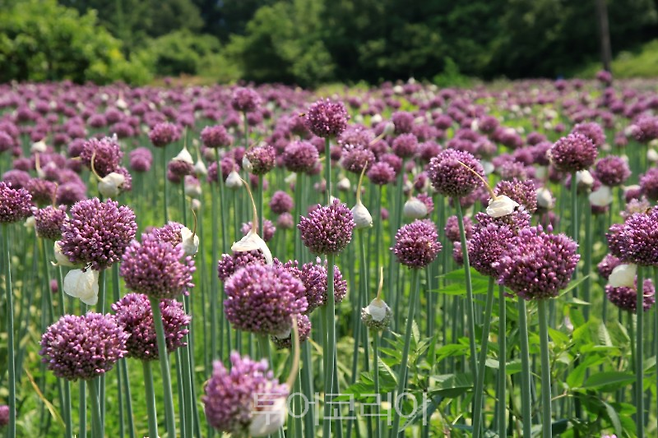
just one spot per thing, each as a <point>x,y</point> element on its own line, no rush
<point>558,337</point>
<point>604,336</point>
<point>608,381</point>
<point>614,418</point>
<point>576,378</point>
<point>450,385</point>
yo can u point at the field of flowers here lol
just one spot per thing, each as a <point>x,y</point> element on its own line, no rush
<point>268,261</point>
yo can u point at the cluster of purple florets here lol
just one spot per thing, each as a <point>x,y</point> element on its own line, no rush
<point>106,154</point>
<point>48,222</point>
<point>636,240</point>
<point>164,133</point>
<point>573,153</point>
<point>416,244</point>
<point>327,230</point>
<point>451,173</point>
<point>326,118</point>
<point>261,159</point>
<point>15,204</point>
<point>97,233</point>
<point>626,297</point>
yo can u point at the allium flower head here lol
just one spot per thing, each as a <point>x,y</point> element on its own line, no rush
<point>83,347</point>
<point>245,100</point>
<point>262,299</point>
<point>97,233</point>
<point>281,202</point>
<point>15,205</point>
<point>452,228</point>
<point>649,184</point>
<point>591,130</point>
<point>300,156</point>
<point>228,264</point>
<point>523,192</point>
<point>4,409</point>
<point>106,152</point>
<point>403,122</point>
<point>157,268</point>
<point>141,159</point>
<point>377,315</point>
<point>232,398</point>
<point>381,173</point>
<point>49,221</point>
<point>626,297</point>
<point>216,137</point>
<point>259,160</point>
<point>163,134</point>
<point>573,153</point>
<point>304,327</point>
<point>612,171</point>
<point>135,316</point>
<point>356,158</point>
<point>405,146</point>
<point>326,118</point>
<point>606,265</point>
<point>314,278</point>
<point>636,240</point>
<point>416,244</point>
<point>450,175</point>
<point>487,245</point>
<point>537,265</point>
<point>42,191</point>
<point>327,230</point>
<point>268,229</point>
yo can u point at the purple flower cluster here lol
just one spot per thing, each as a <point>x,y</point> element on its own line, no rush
<point>326,118</point>
<point>304,329</point>
<point>216,137</point>
<point>261,299</point>
<point>314,278</point>
<point>606,265</point>
<point>97,233</point>
<point>537,265</point>
<point>612,171</point>
<point>626,297</point>
<point>135,316</point>
<point>228,264</point>
<point>42,191</point>
<point>327,230</point>
<point>49,220</point>
<point>230,396</point>
<point>260,159</point>
<point>83,347</point>
<point>163,134</point>
<point>245,100</point>
<point>106,152</point>
<point>15,205</point>
<point>381,173</point>
<point>573,153</point>
<point>449,175</point>
<point>281,202</point>
<point>157,268</point>
<point>416,244</point>
<point>300,156</point>
<point>523,192</point>
<point>636,240</point>
<point>141,159</point>
<point>266,233</point>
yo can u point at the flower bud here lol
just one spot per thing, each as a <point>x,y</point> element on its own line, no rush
<point>545,198</point>
<point>585,178</point>
<point>601,197</point>
<point>185,156</point>
<point>200,168</point>
<point>233,180</point>
<point>343,184</point>
<point>269,420</point>
<point>414,208</point>
<point>362,216</point>
<point>501,206</point>
<point>623,276</point>
<point>192,187</point>
<point>110,185</point>
<point>82,284</point>
<point>190,241</point>
<point>38,147</point>
<point>377,315</point>
<point>61,259</point>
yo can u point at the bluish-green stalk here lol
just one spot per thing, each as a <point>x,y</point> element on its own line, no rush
<point>479,384</point>
<point>170,419</point>
<point>150,398</point>
<point>402,374</point>
<point>526,400</point>
<point>502,362</point>
<point>330,351</point>
<point>96,422</point>
<point>11,355</point>
<point>639,355</point>
<point>547,417</point>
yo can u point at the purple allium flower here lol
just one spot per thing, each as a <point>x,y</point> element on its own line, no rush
<point>604,76</point>
<point>314,278</point>
<point>97,233</point>
<point>4,415</point>
<point>356,135</point>
<point>49,221</point>
<point>327,230</point>
<point>606,265</point>
<point>523,192</point>
<point>488,245</point>
<point>300,156</point>
<point>645,129</point>
<point>232,398</point>
<point>157,268</point>
<point>403,122</point>
<point>649,184</point>
<point>452,228</point>
<point>394,161</point>
<point>635,206</point>
<point>356,158</point>
<point>19,179</point>
<point>228,264</point>
<point>106,152</point>
<point>326,118</point>
<point>381,173</point>
<point>457,253</point>
<point>285,221</point>
<point>612,171</point>
<point>626,297</point>
<point>42,191</point>
<point>304,328</point>
<point>537,265</point>
<point>448,175</point>
<point>135,316</point>
<point>83,347</point>
<point>141,159</point>
<point>281,202</point>
<point>636,240</point>
<point>245,100</point>
<point>592,130</point>
<point>163,134</point>
<point>405,146</point>
<point>15,205</point>
<point>262,299</point>
<point>177,170</point>
<point>416,244</point>
<point>216,137</point>
<point>488,124</point>
<point>259,160</point>
<point>573,153</point>
<point>266,233</point>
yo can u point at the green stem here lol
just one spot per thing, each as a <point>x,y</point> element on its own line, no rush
<point>587,268</point>
<point>150,398</point>
<point>502,362</point>
<point>470,312</point>
<point>259,201</point>
<point>526,401</point>
<point>82,408</point>
<point>307,387</point>
<point>96,423</point>
<point>214,281</point>
<point>163,158</point>
<point>479,385</point>
<point>11,356</point>
<point>639,355</point>
<point>123,363</point>
<point>186,374</point>
<point>327,167</point>
<point>170,419</point>
<point>402,374</point>
<point>545,370</point>
<point>330,352</point>
<point>375,373</point>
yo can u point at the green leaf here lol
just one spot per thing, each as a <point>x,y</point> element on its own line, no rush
<point>572,285</point>
<point>608,381</point>
<point>558,337</point>
<point>450,385</point>
<point>614,418</point>
<point>576,378</point>
<point>451,350</point>
<point>604,336</point>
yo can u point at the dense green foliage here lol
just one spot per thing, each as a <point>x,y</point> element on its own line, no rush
<point>310,42</point>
